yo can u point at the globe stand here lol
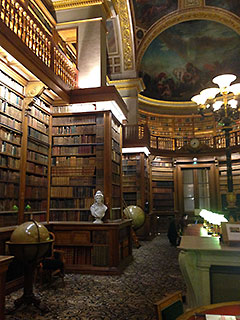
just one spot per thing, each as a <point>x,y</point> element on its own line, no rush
<point>28,297</point>
<point>29,254</point>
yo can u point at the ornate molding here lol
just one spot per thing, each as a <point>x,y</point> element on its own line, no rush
<point>206,13</point>
<point>127,43</point>
<point>185,4</point>
<point>72,4</point>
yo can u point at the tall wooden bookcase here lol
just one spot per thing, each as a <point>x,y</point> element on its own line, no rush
<point>162,191</point>
<point>25,148</point>
<point>11,106</point>
<point>135,179</point>
<point>86,157</point>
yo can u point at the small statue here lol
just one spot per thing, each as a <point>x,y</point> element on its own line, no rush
<point>98,209</point>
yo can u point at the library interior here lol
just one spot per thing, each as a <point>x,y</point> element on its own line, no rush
<point>119,180</point>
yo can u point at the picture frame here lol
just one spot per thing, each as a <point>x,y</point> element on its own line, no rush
<point>231,233</point>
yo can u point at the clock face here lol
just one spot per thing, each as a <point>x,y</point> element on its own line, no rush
<point>194,143</point>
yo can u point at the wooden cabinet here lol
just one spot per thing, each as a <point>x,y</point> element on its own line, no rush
<point>94,248</point>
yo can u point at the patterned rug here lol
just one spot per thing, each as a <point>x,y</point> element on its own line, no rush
<point>153,274</point>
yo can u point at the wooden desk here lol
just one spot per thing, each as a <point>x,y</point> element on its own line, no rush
<point>225,308</point>
<point>4,262</point>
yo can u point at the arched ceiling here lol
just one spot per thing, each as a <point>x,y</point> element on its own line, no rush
<point>182,45</point>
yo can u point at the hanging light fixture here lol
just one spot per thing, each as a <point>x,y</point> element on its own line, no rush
<point>222,101</point>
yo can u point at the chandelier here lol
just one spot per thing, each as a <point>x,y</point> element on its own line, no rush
<point>222,101</point>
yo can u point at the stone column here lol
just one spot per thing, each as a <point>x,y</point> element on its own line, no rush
<point>89,18</point>
<point>129,90</point>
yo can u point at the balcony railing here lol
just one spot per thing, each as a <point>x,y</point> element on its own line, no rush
<point>24,24</point>
<point>138,135</point>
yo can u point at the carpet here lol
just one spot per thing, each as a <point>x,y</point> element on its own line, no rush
<point>153,274</point>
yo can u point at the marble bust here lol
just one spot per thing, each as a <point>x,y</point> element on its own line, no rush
<point>98,208</point>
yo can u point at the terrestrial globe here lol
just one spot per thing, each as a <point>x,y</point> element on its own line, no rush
<point>29,241</point>
<point>136,214</point>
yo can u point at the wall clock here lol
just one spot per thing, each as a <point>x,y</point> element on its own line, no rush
<point>194,143</point>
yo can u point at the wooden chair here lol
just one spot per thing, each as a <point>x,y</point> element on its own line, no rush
<point>52,265</point>
<point>171,307</point>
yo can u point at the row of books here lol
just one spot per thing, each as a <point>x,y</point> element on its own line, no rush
<point>10,122</point>
<point>116,167</point>
<point>35,168</point>
<point>116,178</point>
<point>10,82</point>
<point>10,136</point>
<point>116,136</point>
<point>8,204</point>
<point>38,135</point>
<point>36,205</point>
<point>10,96</point>
<point>73,181</point>
<point>78,139</point>
<point>10,110</point>
<point>116,156</point>
<point>9,162</point>
<point>73,161</point>
<point>39,217</point>
<point>9,148</point>
<point>71,203</point>
<point>115,146</point>
<point>9,176</point>
<point>115,126</point>
<point>165,184</point>
<point>36,180</point>
<point>74,119</point>
<point>78,129</point>
<point>32,155</point>
<point>74,192</point>
<point>38,125</point>
<point>37,147</point>
<point>34,192</point>
<point>40,103</point>
<point>73,150</point>
<point>8,219</point>
<point>39,114</point>
<point>9,190</point>
<point>69,171</point>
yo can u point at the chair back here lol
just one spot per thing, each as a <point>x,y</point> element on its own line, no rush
<point>171,307</point>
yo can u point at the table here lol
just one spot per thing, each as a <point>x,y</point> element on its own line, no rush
<point>225,308</point>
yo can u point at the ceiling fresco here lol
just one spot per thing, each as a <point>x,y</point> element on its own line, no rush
<point>230,5</point>
<point>148,12</point>
<point>183,59</point>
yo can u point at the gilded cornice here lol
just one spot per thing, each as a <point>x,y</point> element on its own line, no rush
<point>206,13</point>
<point>72,4</point>
<point>127,43</point>
<point>161,103</point>
<point>124,84</point>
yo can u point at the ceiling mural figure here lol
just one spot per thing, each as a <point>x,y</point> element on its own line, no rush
<point>230,5</point>
<point>148,12</point>
<point>183,59</point>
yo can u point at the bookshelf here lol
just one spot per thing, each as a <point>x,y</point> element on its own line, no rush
<point>162,189</point>
<point>135,179</point>
<point>11,104</point>
<point>179,126</point>
<point>37,160</point>
<point>86,157</point>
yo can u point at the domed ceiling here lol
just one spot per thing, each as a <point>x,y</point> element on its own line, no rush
<point>181,57</point>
